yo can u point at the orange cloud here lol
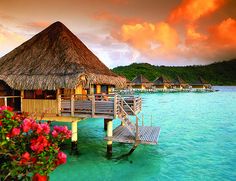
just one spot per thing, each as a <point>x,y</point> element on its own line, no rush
<point>217,44</point>
<point>9,40</point>
<point>192,10</point>
<point>150,39</point>
<point>223,33</point>
<point>192,36</point>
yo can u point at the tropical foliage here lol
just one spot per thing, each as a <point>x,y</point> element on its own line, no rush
<point>222,73</point>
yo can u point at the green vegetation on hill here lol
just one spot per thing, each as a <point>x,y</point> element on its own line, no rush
<point>220,73</point>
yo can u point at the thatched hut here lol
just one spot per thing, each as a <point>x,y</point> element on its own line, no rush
<point>179,83</point>
<point>162,83</point>
<point>129,83</point>
<point>201,84</point>
<point>54,62</point>
<point>140,82</point>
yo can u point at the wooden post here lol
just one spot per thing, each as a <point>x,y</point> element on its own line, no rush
<point>142,121</point>
<point>134,108</point>
<point>74,138</point>
<point>93,105</point>
<point>59,104</point>
<point>109,135</point>
<point>21,100</point>
<point>5,101</point>
<point>137,130</point>
<point>115,106</point>
<point>72,106</point>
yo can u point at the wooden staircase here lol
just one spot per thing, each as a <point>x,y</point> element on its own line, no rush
<point>131,132</point>
<point>124,117</point>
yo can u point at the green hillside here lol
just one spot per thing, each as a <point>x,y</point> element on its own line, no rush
<point>221,73</point>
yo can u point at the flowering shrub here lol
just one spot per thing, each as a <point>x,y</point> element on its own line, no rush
<point>28,147</point>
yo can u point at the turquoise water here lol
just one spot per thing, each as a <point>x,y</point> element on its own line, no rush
<point>197,142</point>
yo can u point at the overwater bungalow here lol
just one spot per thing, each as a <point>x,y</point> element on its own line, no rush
<point>56,76</point>
<point>201,84</point>
<point>179,83</point>
<point>129,84</point>
<point>140,82</point>
<point>162,83</point>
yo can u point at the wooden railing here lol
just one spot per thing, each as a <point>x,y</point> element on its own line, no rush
<point>138,103</point>
<point>96,105</point>
<point>4,101</point>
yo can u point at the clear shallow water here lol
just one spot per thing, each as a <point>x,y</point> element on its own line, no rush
<point>197,142</point>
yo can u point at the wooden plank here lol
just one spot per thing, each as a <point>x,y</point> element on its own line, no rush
<point>149,135</point>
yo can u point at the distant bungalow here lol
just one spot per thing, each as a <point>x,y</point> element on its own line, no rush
<point>179,83</point>
<point>162,83</point>
<point>201,84</point>
<point>140,82</point>
<point>129,83</point>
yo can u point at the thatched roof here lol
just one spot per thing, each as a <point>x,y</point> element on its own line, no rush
<point>200,81</point>
<point>140,79</point>
<point>179,81</point>
<point>161,80</point>
<point>54,58</point>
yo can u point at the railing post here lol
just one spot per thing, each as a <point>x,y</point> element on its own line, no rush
<point>72,105</point>
<point>59,104</point>
<point>93,105</point>
<point>21,100</point>
<point>115,106</point>
<point>5,101</point>
<point>142,120</point>
<point>134,105</point>
<point>137,130</point>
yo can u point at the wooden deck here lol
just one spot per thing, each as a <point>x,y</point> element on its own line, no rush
<point>148,135</point>
<point>97,105</point>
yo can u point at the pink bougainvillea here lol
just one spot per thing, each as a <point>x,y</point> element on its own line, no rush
<point>29,146</point>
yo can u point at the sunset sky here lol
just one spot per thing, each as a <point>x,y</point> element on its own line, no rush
<point>120,32</point>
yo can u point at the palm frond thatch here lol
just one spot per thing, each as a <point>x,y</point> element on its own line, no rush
<point>54,58</point>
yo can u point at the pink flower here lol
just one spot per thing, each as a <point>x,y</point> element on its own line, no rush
<point>25,158</point>
<point>54,133</point>
<point>3,108</point>
<point>62,132</point>
<point>26,125</point>
<point>39,144</point>
<point>15,132</point>
<point>61,158</point>
<point>68,134</point>
<point>39,129</point>
<point>0,123</point>
<point>45,127</point>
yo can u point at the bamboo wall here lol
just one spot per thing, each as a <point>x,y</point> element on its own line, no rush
<point>39,106</point>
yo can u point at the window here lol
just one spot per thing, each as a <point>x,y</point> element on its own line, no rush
<point>40,94</point>
<point>104,89</point>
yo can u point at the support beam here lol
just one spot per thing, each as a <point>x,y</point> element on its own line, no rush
<point>74,137</point>
<point>21,100</point>
<point>58,102</point>
<point>109,135</point>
